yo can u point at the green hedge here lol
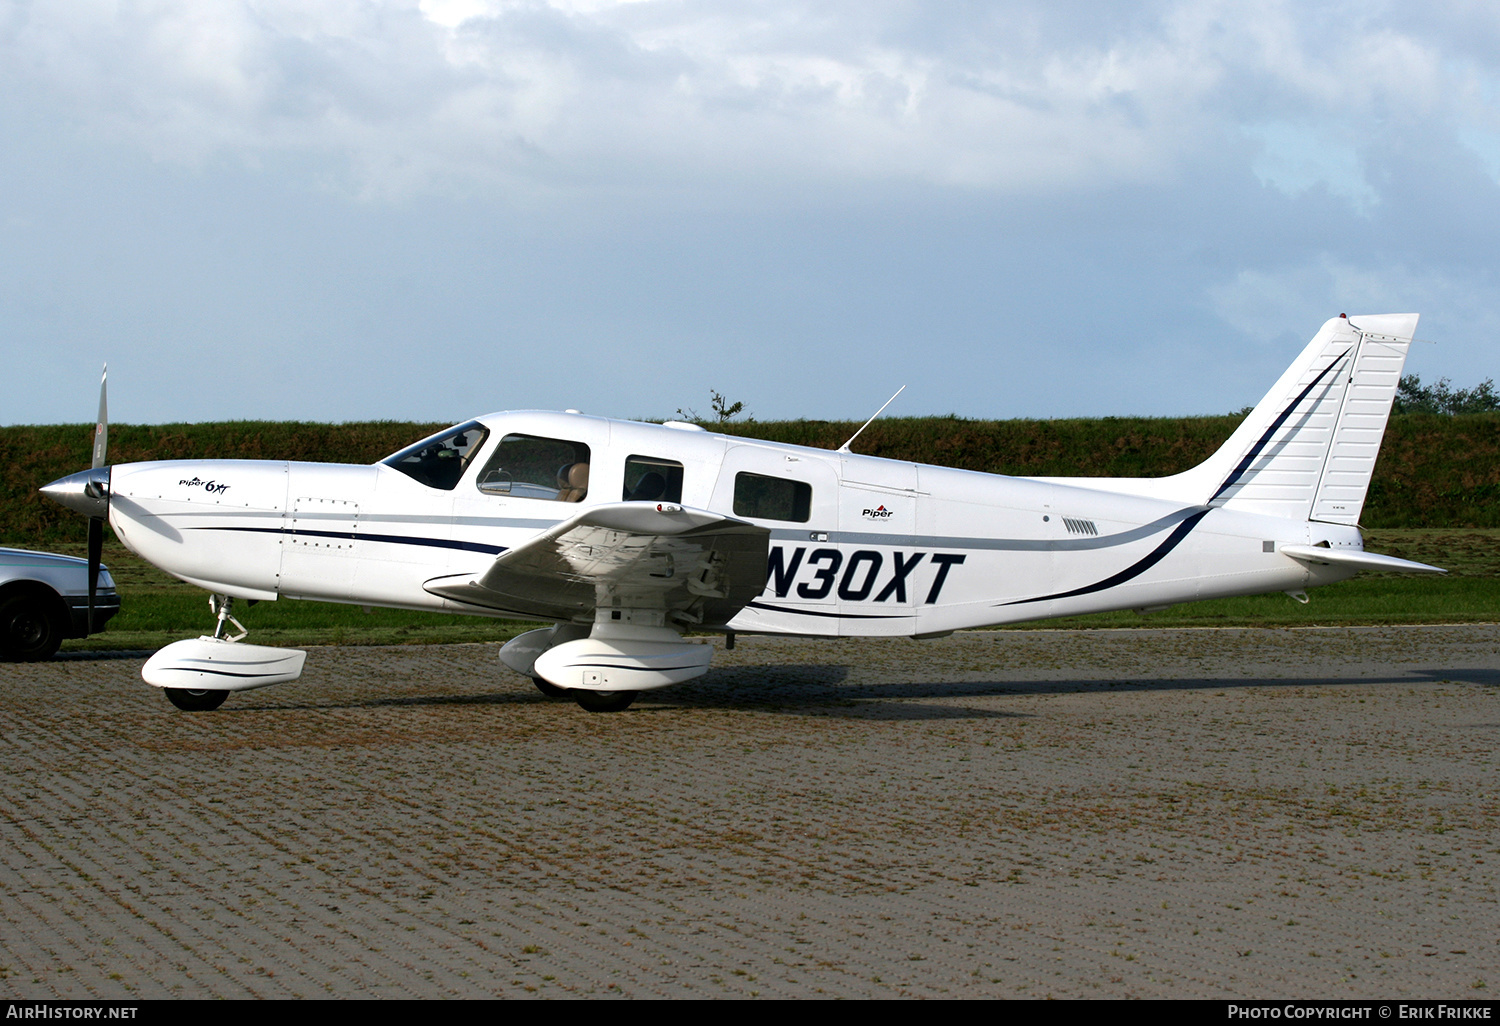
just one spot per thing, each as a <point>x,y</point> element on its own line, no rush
<point>1434,471</point>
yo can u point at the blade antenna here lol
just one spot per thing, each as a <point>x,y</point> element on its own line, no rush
<point>845,446</point>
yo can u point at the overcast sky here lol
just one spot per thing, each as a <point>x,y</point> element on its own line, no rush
<point>359,209</point>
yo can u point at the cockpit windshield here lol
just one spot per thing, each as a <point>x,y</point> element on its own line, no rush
<point>439,461</point>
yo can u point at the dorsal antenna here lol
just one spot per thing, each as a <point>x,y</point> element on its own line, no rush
<point>845,446</point>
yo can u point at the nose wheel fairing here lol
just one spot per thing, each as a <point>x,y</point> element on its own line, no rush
<point>221,663</point>
<point>216,664</point>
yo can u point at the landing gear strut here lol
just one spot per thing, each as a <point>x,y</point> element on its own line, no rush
<point>220,606</point>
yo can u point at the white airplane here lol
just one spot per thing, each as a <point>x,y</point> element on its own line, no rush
<point>627,534</point>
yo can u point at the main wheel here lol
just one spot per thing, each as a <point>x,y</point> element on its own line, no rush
<point>190,700</point>
<point>28,629</point>
<point>603,701</point>
<point>550,690</point>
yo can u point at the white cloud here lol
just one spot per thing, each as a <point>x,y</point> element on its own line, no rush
<point>1294,158</point>
<point>1261,303</point>
<point>418,94</point>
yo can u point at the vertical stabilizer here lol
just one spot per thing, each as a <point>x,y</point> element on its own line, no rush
<point>1308,450</point>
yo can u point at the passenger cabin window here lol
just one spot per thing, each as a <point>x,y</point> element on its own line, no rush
<point>439,461</point>
<point>772,498</point>
<point>537,468</point>
<point>648,479</point>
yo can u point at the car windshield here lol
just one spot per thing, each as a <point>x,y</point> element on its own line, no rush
<point>439,461</point>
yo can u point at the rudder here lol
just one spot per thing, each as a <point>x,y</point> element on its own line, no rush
<point>1384,343</point>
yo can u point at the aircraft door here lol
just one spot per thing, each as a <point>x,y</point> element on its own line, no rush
<point>883,561</point>
<point>795,495</point>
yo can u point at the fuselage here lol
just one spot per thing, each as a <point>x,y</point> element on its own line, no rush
<point>858,545</point>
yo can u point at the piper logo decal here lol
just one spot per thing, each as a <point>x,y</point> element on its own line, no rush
<point>211,487</point>
<point>878,513</point>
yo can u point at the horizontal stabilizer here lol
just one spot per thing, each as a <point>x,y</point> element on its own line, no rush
<point>1358,559</point>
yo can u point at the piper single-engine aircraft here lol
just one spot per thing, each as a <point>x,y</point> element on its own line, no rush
<point>628,534</point>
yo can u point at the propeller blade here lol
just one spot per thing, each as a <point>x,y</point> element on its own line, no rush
<point>101,427</point>
<point>87,492</point>
<point>96,551</point>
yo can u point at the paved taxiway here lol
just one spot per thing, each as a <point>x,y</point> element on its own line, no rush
<point>1256,813</point>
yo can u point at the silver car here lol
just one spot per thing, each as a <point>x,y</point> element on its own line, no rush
<point>45,598</point>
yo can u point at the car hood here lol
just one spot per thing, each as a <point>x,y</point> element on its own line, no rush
<point>24,557</point>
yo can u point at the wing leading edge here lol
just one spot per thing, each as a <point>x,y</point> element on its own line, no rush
<point>690,566</point>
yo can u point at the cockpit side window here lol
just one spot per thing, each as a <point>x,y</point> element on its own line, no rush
<point>528,467</point>
<point>649,479</point>
<point>439,461</point>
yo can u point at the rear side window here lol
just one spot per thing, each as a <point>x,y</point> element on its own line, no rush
<point>648,479</point>
<point>528,467</point>
<point>772,498</point>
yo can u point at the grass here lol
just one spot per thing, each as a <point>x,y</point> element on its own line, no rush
<point>1433,470</point>
<point>1364,601</point>
<point>157,609</point>
<point>1469,593</point>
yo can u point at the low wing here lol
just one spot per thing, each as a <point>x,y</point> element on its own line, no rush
<point>692,565</point>
<point>1357,558</point>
